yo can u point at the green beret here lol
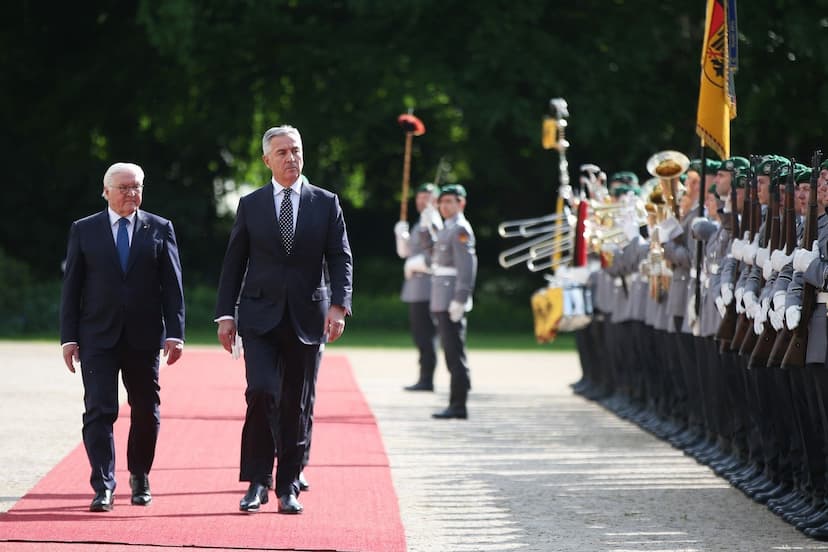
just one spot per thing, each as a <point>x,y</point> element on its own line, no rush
<point>767,165</point>
<point>427,187</point>
<point>824,165</point>
<point>734,163</point>
<point>625,177</point>
<point>711,166</point>
<point>740,178</point>
<point>712,189</point>
<point>453,189</point>
<point>802,175</point>
<point>620,190</point>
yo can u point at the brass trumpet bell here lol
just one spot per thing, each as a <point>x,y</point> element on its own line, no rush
<point>667,164</point>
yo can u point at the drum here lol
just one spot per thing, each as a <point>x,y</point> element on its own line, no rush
<point>560,309</point>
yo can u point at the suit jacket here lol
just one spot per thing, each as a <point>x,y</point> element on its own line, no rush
<point>265,279</point>
<point>99,301</point>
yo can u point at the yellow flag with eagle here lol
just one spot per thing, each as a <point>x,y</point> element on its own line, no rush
<point>717,94</point>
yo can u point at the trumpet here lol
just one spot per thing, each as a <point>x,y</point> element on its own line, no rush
<point>667,166</point>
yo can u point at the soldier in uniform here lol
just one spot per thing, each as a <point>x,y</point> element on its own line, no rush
<point>454,270</point>
<point>413,245</point>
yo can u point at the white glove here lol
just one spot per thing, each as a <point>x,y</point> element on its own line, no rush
<point>691,311</point>
<point>237,347</point>
<point>751,306</point>
<point>803,257</point>
<point>749,251</point>
<point>736,249</point>
<point>720,305</point>
<point>668,229</point>
<point>456,310</point>
<point>430,218</point>
<point>776,320</point>
<point>767,270</point>
<point>779,260</point>
<point>740,308</point>
<point>762,256</point>
<point>415,263</point>
<point>727,294</point>
<point>758,325</point>
<point>778,303</point>
<point>792,315</point>
<point>401,235</point>
<point>764,307</point>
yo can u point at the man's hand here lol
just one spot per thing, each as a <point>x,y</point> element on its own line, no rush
<point>227,333</point>
<point>456,311</point>
<point>727,293</point>
<point>71,354</point>
<point>335,323</point>
<point>173,350</point>
<point>804,257</point>
<point>414,263</point>
<point>792,316</point>
<point>779,260</point>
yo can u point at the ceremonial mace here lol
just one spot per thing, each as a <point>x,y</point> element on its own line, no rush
<point>412,127</point>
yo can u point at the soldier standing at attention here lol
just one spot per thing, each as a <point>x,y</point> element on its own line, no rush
<point>454,270</point>
<point>413,246</point>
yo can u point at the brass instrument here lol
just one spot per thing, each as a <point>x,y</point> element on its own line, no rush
<point>666,166</point>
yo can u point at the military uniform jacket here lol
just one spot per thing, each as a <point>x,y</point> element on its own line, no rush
<point>454,265</point>
<point>814,275</point>
<point>677,252</point>
<point>417,288</point>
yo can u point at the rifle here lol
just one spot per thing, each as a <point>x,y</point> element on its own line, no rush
<point>749,343</point>
<point>783,336</point>
<point>743,324</point>
<point>699,243</point>
<point>795,355</point>
<point>766,341</point>
<point>727,327</point>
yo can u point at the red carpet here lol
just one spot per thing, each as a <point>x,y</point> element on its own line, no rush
<point>351,506</point>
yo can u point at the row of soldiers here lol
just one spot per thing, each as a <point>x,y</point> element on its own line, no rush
<point>702,363</point>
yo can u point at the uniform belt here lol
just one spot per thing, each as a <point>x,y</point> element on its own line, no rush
<point>822,297</point>
<point>443,270</point>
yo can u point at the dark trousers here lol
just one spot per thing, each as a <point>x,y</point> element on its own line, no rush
<point>139,372</point>
<point>453,341</point>
<point>424,333</point>
<point>281,376</point>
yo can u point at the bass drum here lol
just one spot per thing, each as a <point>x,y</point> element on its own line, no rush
<point>560,309</point>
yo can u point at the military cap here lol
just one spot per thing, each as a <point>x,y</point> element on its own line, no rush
<point>427,187</point>
<point>624,177</point>
<point>621,190</point>
<point>734,163</point>
<point>453,189</point>
<point>802,174</point>
<point>823,165</point>
<point>712,189</point>
<point>711,166</point>
<point>740,178</point>
<point>767,165</point>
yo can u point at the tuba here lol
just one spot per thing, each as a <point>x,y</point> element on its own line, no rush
<point>667,166</point>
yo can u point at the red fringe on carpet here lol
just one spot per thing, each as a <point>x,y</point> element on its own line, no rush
<point>351,506</point>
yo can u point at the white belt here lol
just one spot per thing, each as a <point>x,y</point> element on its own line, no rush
<point>443,271</point>
<point>822,297</point>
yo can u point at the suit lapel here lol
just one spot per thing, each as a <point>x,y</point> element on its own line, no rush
<point>110,240</point>
<point>139,235</point>
<point>303,217</point>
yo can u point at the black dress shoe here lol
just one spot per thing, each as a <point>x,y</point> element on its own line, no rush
<point>253,499</point>
<point>102,502</point>
<point>303,483</point>
<point>451,412</point>
<point>141,495</point>
<point>288,504</point>
<point>420,386</point>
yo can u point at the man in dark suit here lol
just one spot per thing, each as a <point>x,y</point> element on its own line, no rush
<point>122,301</point>
<point>282,236</point>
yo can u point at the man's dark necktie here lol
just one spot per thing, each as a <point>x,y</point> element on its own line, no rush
<point>286,220</point>
<point>122,242</point>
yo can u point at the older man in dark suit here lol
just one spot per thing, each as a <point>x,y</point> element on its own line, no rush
<point>122,301</point>
<point>282,236</point>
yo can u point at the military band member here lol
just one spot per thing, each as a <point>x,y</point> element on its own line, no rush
<point>413,245</point>
<point>454,271</point>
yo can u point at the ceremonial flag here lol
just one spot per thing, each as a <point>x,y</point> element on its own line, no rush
<point>717,95</point>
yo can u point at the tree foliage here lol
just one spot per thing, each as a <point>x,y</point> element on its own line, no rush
<point>186,89</point>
